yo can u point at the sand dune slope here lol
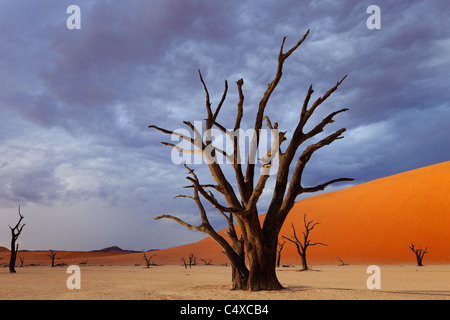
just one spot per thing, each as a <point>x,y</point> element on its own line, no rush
<point>370,223</point>
<point>373,222</point>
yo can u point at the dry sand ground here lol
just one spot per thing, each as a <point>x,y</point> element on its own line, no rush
<point>329,282</point>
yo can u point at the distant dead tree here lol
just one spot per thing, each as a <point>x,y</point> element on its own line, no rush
<point>148,259</point>
<point>21,262</point>
<point>15,232</point>
<point>83,262</point>
<point>419,254</point>
<point>52,256</point>
<point>184,262</point>
<point>342,262</point>
<point>242,194</point>
<point>192,260</point>
<point>280,248</point>
<point>207,262</point>
<point>304,243</point>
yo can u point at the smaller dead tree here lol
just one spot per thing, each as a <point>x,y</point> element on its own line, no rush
<point>62,264</point>
<point>419,254</point>
<point>280,248</point>
<point>148,260</point>
<point>192,260</point>
<point>342,262</point>
<point>52,256</point>
<point>15,232</point>
<point>207,262</point>
<point>303,244</point>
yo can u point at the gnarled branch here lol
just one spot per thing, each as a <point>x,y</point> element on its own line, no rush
<point>322,186</point>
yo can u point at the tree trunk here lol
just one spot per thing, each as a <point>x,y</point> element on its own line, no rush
<point>278,259</point>
<point>15,232</point>
<point>261,255</point>
<point>12,260</point>
<point>280,248</point>
<point>304,264</point>
<point>262,263</point>
<point>239,278</point>
<point>240,273</point>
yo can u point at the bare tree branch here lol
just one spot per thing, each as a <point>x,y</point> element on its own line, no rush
<point>181,150</point>
<point>322,186</point>
<point>178,220</point>
<point>262,105</point>
<point>173,133</point>
<point>208,102</point>
<point>224,95</point>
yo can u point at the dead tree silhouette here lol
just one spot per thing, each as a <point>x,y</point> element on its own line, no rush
<point>243,194</point>
<point>52,256</point>
<point>280,248</point>
<point>15,232</point>
<point>305,242</point>
<point>419,254</point>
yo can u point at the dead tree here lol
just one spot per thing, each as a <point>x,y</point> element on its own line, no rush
<point>148,259</point>
<point>280,248</point>
<point>242,194</point>
<point>52,256</point>
<point>15,232</point>
<point>207,262</point>
<point>342,262</point>
<point>419,254</point>
<point>192,260</point>
<point>62,264</point>
<point>305,242</point>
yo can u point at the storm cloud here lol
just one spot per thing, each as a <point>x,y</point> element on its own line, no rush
<point>75,148</point>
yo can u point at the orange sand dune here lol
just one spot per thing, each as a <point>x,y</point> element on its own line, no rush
<point>370,223</point>
<point>373,222</point>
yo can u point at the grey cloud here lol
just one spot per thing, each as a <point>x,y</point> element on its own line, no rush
<point>38,186</point>
<point>77,104</point>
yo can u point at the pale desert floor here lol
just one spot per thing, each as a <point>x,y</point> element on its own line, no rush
<point>212,282</point>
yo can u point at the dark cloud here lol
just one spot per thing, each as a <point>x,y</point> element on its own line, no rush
<point>76,104</point>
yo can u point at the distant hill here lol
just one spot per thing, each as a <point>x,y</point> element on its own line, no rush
<point>3,249</point>
<point>115,249</point>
